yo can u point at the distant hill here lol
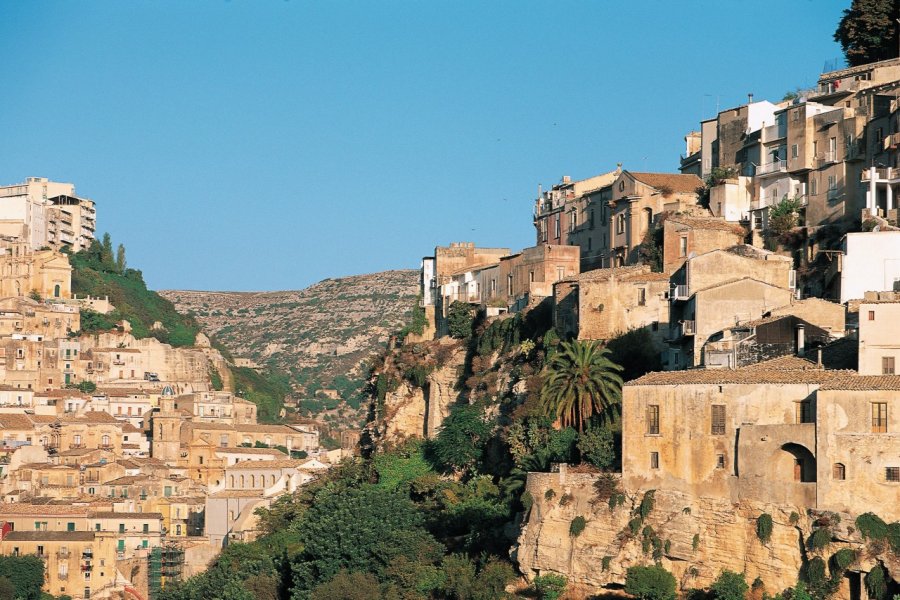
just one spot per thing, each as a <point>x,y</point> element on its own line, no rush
<point>319,336</point>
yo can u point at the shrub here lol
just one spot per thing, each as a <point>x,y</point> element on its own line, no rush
<point>617,499</point>
<point>730,586</point>
<point>647,504</point>
<point>842,559</point>
<point>549,494</point>
<point>650,583</point>
<point>598,447</point>
<point>820,539</point>
<point>550,586</point>
<point>605,563</point>
<point>577,526</point>
<point>821,586</point>
<point>871,526</point>
<point>527,501</point>
<point>875,582</point>
<point>460,320</point>
<point>605,487</point>
<point>764,528</point>
<point>348,586</point>
<point>695,543</point>
<point>634,525</point>
<point>794,518</point>
<point>566,499</point>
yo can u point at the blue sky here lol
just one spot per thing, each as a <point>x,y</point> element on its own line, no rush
<point>268,145</point>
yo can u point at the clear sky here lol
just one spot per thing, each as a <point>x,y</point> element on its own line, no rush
<point>268,144</point>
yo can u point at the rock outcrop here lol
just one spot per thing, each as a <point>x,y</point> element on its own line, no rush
<point>410,411</point>
<point>695,538</point>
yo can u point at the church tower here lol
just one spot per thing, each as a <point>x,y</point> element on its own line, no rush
<point>167,429</point>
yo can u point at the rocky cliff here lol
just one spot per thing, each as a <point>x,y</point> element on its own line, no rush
<point>320,336</point>
<point>694,538</point>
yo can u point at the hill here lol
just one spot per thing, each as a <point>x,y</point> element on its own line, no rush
<point>320,336</point>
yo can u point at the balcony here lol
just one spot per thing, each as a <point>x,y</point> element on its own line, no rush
<point>688,328</point>
<point>826,158</point>
<point>855,150</point>
<point>776,166</point>
<point>680,292</point>
<point>62,554</point>
<point>774,132</point>
<point>892,142</point>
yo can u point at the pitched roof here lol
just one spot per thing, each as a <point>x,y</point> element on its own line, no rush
<point>709,223</point>
<point>249,451</point>
<point>284,463</point>
<point>124,515</point>
<point>762,375</point>
<point>676,182</point>
<point>788,362</point>
<point>50,536</point>
<point>864,383</point>
<point>606,274</point>
<point>21,508</point>
<point>237,494</point>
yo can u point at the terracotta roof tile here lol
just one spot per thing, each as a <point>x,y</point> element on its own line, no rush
<point>740,376</point>
<point>864,383</point>
<point>124,515</point>
<point>284,463</point>
<point>237,494</point>
<point>676,182</point>
<point>20,508</point>
<point>709,223</point>
<point>50,536</point>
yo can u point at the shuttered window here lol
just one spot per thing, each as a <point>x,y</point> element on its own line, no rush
<point>718,419</point>
<point>879,417</point>
<point>892,474</point>
<point>653,419</point>
<point>887,365</point>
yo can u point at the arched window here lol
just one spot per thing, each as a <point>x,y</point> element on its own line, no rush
<point>104,441</point>
<point>243,483</point>
<point>272,480</point>
<point>56,291</point>
<point>232,481</point>
<point>178,529</point>
<point>838,472</point>
<point>253,481</point>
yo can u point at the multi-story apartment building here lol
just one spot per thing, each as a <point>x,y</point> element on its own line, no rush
<point>43,213</point>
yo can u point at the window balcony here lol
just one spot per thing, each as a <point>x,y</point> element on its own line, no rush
<point>680,292</point>
<point>826,158</point>
<point>774,167</point>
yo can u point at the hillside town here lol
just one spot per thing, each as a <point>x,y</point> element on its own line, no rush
<point>121,466</point>
<point>766,275</point>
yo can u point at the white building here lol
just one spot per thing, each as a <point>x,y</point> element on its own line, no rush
<point>870,263</point>
<point>46,213</point>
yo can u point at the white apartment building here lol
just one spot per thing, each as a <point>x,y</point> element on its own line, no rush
<point>47,213</point>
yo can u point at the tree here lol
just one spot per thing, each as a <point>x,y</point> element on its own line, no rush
<point>867,32</point>
<point>348,586</point>
<point>358,529</point>
<point>106,254</point>
<point>598,447</point>
<point>650,583</point>
<point>25,573</point>
<point>461,441</point>
<point>120,259</point>
<point>459,320</point>
<point>7,589</point>
<point>730,586</point>
<point>581,381</point>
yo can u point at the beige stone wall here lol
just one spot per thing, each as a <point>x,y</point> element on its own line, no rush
<point>688,450</point>
<point>720,266</point>
<point>620,310</point>
<point>828,315</point>
<point>699,240</point>
<point>845,436</point>
<point>878,336</point>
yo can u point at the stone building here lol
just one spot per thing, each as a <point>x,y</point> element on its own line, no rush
<point>527,277</point>
<point>605,303</point>
<point>638,200</point>
<point>24,271</point>
<point>685,236</point>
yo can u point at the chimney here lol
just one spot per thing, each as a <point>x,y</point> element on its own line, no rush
<point>750,98</point>
<point>801,340</point>
<point>819,357</point>
<point>566,179</point>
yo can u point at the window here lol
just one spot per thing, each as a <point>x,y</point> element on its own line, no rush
<point>70,526</point>
<point>838,472</point>
<point>718,419</point>
<point>591,219</point>
<point>121,527</point>
<point>682,246</point>
<point>509,285</point>
<point>654,460</point>
<point>531,277</point>
<point>832,183</point>
<point>720,461</point>
<point>642,296</point>
<point>871,315</point>
<point>223,440</point>
<point>887,365</point>
<point>803,412</point>
<point>653,419</point>
<point>795,151</point>
<point>890,474</point>
<point>879,417</point>
<point>96,526</point>
<point>146,528</point>
<point>556,227</point>
<point>813,186</point>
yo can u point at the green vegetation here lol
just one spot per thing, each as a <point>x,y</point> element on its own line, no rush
<point>784,216</point>
<point>597,446</point>
<point>460,319</point>
<point>581,381</point>
<point>577,526</point>
<point>215,379</point>
<point>24,575</point>
<point>650,583</point>
<point>764,528</point>
<point>867,31</point>
<point>876,583</point>
<point>820,539</point>
<point>729,586</point>
<point>266,390</point>
<point>550,586</point>
<point>96,272</point>
<point>417,321</point>
<point>715,177</point>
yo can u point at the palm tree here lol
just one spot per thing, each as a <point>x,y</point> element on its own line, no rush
<point>581,381</point>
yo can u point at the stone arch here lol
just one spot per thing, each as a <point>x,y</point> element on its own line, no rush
<point>801,461</point>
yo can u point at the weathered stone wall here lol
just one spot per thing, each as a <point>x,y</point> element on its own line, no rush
<point>699,537</point>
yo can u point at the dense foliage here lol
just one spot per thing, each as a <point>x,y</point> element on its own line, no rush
<point>24,575</point>
<point>867,31</point>
<point>460,319</point>
<point>96,272</point>
<point>729,586</point>
<point>650,583</point>
<point>581,382</point>
<point>266,389</point>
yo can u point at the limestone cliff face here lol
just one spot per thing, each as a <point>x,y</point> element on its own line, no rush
<point>410,411</point>
<point>697,538</point>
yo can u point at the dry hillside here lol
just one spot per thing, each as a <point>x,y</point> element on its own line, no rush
<point>319,336</point>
